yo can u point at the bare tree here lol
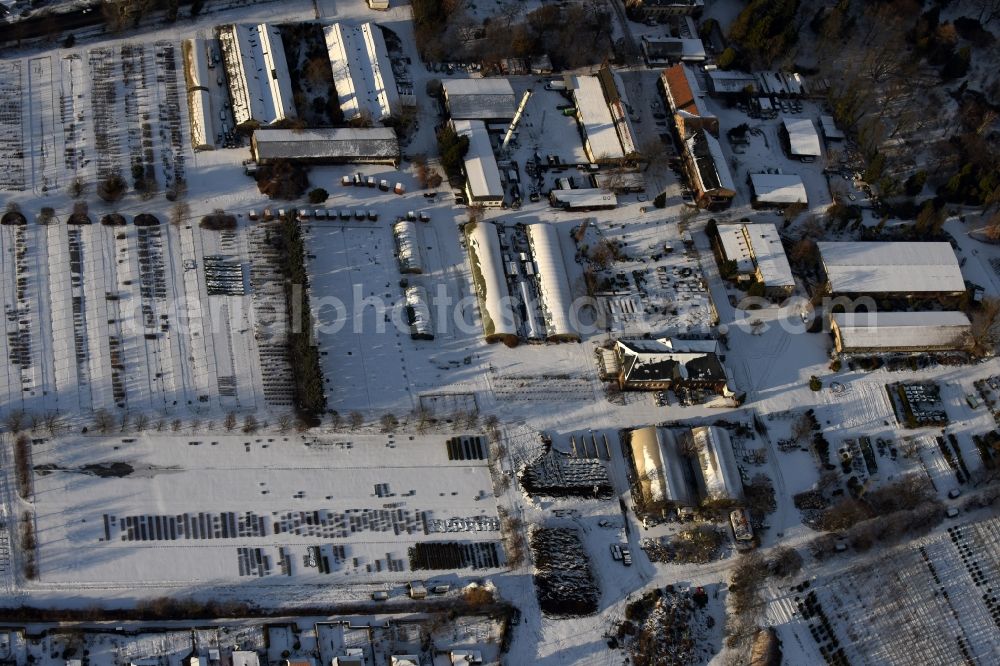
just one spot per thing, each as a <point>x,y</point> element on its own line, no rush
<point>336,420</point>
<point>140,422</point>
<point>356,419</point>
<point>389,422</point>
<point>984,326</point>
<point>230,422</point>
<point>103,421</point>
<point>14,421</point>
<point>284,423</point>
<point>250,424</point>
<point>175,425</point>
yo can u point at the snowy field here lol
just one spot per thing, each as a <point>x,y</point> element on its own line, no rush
<point>234,507</point>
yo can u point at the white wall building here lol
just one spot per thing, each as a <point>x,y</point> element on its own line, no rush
<point>600,137</point>
<point>482,175</point>
<point>778,189</point>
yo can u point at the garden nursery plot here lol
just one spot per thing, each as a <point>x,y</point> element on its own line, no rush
<point>164,508</point>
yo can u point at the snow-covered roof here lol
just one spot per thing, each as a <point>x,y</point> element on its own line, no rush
<point>369,144</point>
<point>730,82</point>
<point>719,472</point>
<point>482,99</point>
<point>416,298</point>
<point>553,284</point>
<point>595,117</point>
<point>891,267</point>
<point>259,84</point>
<point>202,119</point>
<point>901,330</point>
<point>480,163</point>
<point>769,255</point>
<point>713,172</point>
<point>196,73</point>
<point>489,281</point>
<point>245,658</point>
<point>830,129</point>
<point>659,467</point>
<point>362,73</point>
<point>658,361</point>
<point>408,245</point>
<point>802,137</point>
<point>736,246</point>
<point>778,188</point>
<point>584,198</point>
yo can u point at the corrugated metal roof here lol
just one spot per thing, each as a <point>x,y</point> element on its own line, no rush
<point>362,73</point>
<point>480,162</point>
<point>891,267</point>
<point>902,330</point>
<point>552,280</point>
<point>779,188</point>
<point>802,137</point>
<point>480,99</point>
<point>342,143</point>
<point>595,116</point>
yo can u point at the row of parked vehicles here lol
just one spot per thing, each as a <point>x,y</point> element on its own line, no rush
<point>358,180</point>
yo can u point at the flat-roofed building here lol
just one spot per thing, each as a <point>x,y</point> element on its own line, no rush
<point>479,99</point>
<point>730,82</point>
<point>362,72</point>
<point>900,331</point>
<point>758,252</point>
<point>337,145</point>
<point>600,138</point>
<point>778,190</point>
<point>801,139</point>
<point>669,50</point>
<point>259,84</point>
<point>483,184</point>
<point>901,269</point>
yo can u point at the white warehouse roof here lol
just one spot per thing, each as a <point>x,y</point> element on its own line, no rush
<point>202,119</point>
<point>488,278</point>
<point>196,73</point>
<point>259,84</point>
<point>556,297</point>
<point>481,99</point>
<point>769,255</point>
<point>658,465</point>
<point>480,163</point>
<point>891,267</point>
<point>595,117</point>
<point>362,73</point>
<point>802,138</point>
<point>778,188</point>
<point>901,330</point>
<point>719,473</point>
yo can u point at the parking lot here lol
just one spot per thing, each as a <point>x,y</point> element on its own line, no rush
<point>157,508</point>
